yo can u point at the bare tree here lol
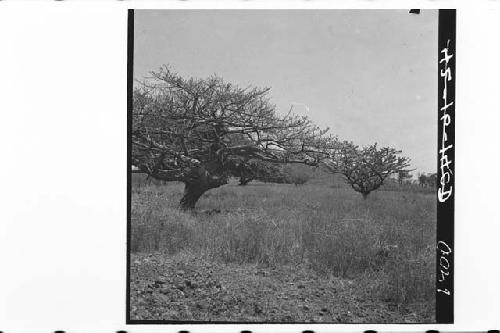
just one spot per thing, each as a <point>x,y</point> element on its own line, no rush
<point>427,180</point>
<point>422,180</point>
<point>432,179</point>
<point>403,175</point>
<point>365,169</point>
<point>191,130</point>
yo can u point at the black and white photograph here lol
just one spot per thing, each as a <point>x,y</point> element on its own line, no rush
<point>283,166</point>
<point>249,166</point>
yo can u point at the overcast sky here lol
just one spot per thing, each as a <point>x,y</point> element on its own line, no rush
<point>371,76</point>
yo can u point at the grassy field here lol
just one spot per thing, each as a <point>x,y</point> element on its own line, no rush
<point>382,248</point>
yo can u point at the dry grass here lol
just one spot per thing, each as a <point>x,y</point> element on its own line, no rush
<point>384,243</point>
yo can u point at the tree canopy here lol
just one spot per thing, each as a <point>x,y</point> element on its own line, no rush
<point>366,169</point>
<point>201,131</point>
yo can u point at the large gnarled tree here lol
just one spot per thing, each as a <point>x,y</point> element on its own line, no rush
<point>202,131</point>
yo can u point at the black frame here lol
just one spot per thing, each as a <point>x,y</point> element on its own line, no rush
<point>130,99</point>
<point>445,172</point>
<point>446,167</point>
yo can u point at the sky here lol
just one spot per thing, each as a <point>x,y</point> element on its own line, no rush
<point>368,75</point>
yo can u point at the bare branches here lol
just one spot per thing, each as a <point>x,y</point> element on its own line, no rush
<point>185,123</point>
<point>366,168</point>
<point>201,131</point>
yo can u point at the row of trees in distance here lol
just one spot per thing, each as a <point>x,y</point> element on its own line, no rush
<point>423,179</point>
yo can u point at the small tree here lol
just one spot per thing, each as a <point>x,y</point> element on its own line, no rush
<point>427,180</point>
<point>432,179</point>
<point>365,169</point>
<point>422,180</point>
<point>403,175</point>
<point>191,130</point>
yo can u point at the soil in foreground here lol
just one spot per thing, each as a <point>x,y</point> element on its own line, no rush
<point>184,287</point>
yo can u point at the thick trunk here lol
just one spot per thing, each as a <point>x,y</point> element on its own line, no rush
<point>244,180</point>
<point>365,195</point>
<point>192,192</point>
<point>198,182</point>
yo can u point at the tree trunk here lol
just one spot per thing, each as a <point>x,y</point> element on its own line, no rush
<point>197,182</point>
<point>192,192</point>
<point>244,180</point>
<point>365,195</point>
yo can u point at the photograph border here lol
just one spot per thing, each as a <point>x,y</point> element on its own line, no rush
<point>445,233</point>
<point>130,106</point>
<point>445,174</point>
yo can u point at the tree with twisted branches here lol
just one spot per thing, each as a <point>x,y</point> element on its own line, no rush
<point>202,131</point>
<point>366,169</point>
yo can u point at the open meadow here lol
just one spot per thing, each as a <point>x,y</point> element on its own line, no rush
<point>282,253</point>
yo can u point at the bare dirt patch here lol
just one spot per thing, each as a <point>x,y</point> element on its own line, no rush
<point>185,287</point>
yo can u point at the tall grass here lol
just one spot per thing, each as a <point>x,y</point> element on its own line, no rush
<point>385,242</point>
